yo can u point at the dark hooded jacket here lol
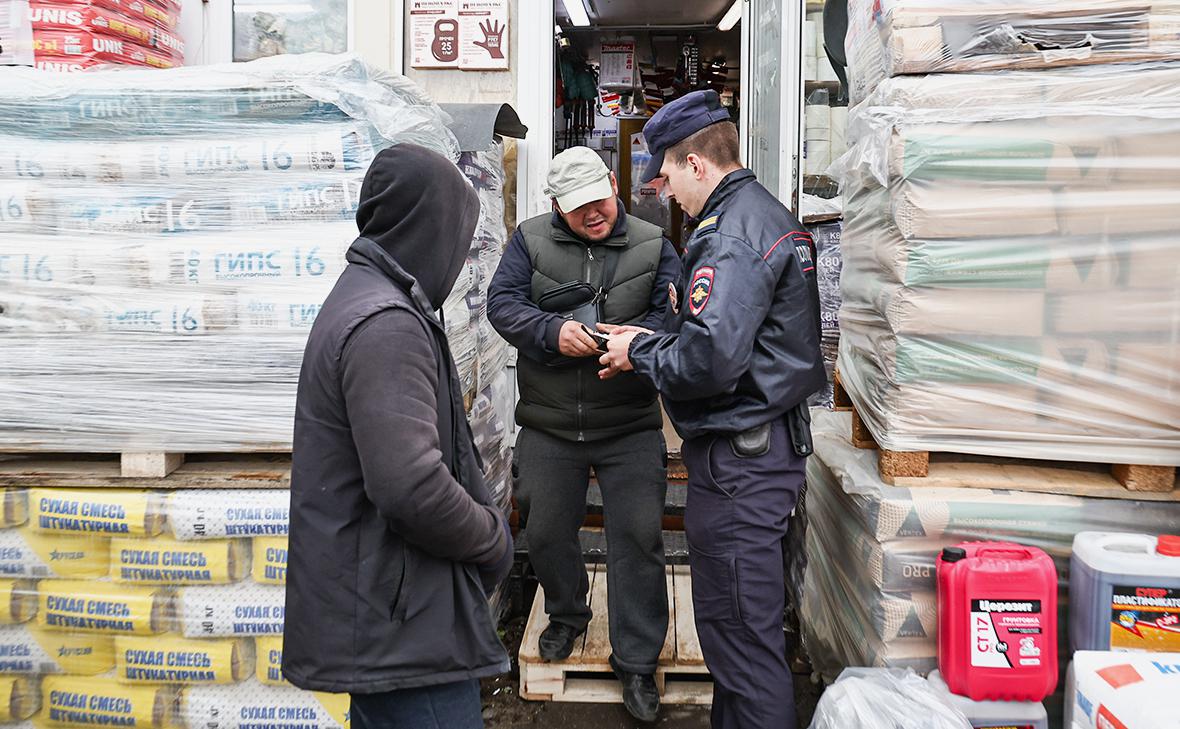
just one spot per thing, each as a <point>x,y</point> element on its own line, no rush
<point>392,526</point>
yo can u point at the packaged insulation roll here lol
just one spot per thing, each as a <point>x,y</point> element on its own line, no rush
<point>103,607</point>
<point>270,560</point>
<point>142,659</point>
<point>105,511</point>
<point>73,701</point>
<point>245,609</point>
<point>15,508</point>
<point>251,705</point>
<point>29,553</point>
<point>163,561</point>
<point>269,650</point>
<point>20,698</point>
<point>222,513</point>
<point>32,650</point>
<point>18,601</point>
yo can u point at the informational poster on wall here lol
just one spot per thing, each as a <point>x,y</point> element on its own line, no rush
<point>618,65</point>
<point>16,34</point>
<point>483,35</point>
<point>434,33</point>
<point>470,35</point>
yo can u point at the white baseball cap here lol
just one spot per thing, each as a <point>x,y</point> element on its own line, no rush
<point>578,176</point>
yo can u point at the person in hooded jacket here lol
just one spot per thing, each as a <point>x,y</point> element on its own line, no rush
<point>395,540</point>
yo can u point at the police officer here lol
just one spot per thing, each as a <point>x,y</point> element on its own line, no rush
<point>736,364</point>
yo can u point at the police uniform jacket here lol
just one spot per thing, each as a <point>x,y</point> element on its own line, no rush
<point>741,346</point>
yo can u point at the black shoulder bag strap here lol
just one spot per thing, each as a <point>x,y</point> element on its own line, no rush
<point>610,264</point>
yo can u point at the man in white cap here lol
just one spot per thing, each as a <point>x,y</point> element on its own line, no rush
<point>587,263</point>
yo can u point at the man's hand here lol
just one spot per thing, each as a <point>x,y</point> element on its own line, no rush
<point>573,341</point>
<point>617,359</point>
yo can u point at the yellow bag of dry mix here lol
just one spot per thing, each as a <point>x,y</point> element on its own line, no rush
<point>114,512</point>
<point>270,560</point>
<point>103,607</point>
<point>163,561</point>
<point>25,552</point>
<point>31,650</point>
<point>103,702</point>
<point>18,601</point>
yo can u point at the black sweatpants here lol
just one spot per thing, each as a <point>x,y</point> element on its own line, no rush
<point>631,470</point>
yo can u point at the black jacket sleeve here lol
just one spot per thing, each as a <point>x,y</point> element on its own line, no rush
<point>512,312</point>
<point>722,313</point>
<point>666,274</point>
<point>390,378</point>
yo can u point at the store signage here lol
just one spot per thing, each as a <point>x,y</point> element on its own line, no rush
<point>469,35</point>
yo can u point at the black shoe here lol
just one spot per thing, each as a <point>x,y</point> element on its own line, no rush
<point>640,696</point>
<point>557,641</point>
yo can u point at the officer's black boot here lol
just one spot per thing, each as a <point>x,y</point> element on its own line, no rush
<point>641,698</point>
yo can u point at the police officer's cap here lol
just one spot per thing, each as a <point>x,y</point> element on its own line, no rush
<point>678,121</point>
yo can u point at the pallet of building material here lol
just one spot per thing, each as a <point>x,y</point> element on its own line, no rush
<point>586,676</point>
<point>943,36</point>
<point>960,470</point>
<point>155,470</point>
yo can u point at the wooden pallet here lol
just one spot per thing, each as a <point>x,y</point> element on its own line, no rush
<point>955,470</point>
<point>586,676</point>
<point>147,470</point>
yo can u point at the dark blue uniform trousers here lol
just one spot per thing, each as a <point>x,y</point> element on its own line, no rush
<point>736,520</point>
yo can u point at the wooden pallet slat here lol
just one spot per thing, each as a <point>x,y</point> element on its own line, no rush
<point>924,469</point>
<point>147,471</point>
<point>586,676</point>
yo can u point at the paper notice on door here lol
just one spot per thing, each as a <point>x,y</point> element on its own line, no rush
<point>483,35</point>
<point>434,33</point>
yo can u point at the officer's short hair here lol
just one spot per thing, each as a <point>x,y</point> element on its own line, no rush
<point>717,143</point>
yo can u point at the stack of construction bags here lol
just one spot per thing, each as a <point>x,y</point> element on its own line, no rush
<point>169,238</point>
<point>74,35</point>
<point>1011,281</point>
<point>868,594</point>
<point>136,608</point>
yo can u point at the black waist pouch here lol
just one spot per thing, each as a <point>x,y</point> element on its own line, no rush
<point>576,300</point>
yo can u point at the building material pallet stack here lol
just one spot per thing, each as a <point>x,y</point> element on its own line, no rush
<point>868,593</point>
<point>1011,281</point>
<point>168,238</point>
<point>1011,290</point>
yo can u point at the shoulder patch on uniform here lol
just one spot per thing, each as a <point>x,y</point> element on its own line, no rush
<point>708,222</point>
<point>700,290</point>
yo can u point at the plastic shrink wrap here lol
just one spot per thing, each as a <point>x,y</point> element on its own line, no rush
<point>868,592</point>
<point>1011,281</point>
<point>168,237</point>
<point>881,699</point>
<point>889,38</point>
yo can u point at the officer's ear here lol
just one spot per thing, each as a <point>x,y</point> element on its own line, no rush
<point>696,165</point>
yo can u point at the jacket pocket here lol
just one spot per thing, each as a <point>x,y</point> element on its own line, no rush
<point>397,603</point>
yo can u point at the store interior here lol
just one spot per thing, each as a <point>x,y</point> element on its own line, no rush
<point>618,62</point>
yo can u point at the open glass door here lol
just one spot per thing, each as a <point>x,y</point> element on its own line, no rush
<point>771,32</point>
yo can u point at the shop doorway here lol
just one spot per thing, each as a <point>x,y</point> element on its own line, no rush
<point>613,63</point>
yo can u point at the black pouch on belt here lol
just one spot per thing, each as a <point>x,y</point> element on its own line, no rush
<point>751,443</point>
<point>799,423</point>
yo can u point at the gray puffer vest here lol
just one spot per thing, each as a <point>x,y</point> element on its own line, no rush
<point>568,400</point>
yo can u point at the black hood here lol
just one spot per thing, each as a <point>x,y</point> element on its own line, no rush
<point>420,210</point>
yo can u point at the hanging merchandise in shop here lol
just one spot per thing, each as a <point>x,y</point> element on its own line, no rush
<point>469,35</point>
